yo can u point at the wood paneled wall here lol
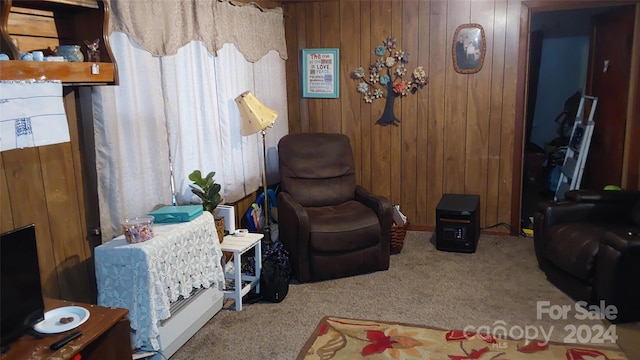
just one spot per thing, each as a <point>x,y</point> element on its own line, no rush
<point>456,135</point>
<point>44,186</point>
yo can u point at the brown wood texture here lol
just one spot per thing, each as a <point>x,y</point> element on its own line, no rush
<point>76,72</point>
<point>39,28</point>
<point>394,162</point>
<point>382,20</point>
<point>456,134</point>
<point>241,206</point>
<point>83,3</point>
<point>105,335</point>
<point>435,119</point>
<point>631,173</point>
<point>422,127</point>
<point>113,344</point>
<point>38,23</point>
<point>406,136</point>
<point>350,104</point>
<point>463,133</point>
<point>489,203</point>
<point>44,25</point>
<point>47,185</point>
<point>44,186</point>
<point>6,218</point>
<point>607,143</point>
<point>46,45</point>
<point>364,151</point>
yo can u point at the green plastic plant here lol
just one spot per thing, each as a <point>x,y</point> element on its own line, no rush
<point>206,189</point>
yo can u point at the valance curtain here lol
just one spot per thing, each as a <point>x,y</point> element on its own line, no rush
<point>177,113</point>
<point>163,26</point>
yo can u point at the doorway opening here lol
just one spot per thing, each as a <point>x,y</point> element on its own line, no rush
<point>559,54</point>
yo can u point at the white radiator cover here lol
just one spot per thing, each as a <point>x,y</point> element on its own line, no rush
<point>190,316</point>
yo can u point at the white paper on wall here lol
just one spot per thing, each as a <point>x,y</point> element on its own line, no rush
<point>31,114</point>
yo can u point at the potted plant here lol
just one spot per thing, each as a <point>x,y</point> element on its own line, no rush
<point>206,189</point>
<point>209,192</point>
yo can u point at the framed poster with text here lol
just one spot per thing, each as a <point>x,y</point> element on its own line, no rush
<point>320,73</point>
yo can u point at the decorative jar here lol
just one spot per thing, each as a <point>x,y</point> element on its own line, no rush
<point>138,229</point>
<point>70,52</point>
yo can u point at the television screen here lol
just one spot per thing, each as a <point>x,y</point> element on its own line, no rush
<point>21,302</point>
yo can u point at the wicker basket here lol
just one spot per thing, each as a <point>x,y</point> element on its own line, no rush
<point>398,233</point>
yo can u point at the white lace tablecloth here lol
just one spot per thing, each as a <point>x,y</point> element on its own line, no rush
<point>146,277</point>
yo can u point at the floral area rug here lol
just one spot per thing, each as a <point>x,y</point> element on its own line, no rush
<point>340,338</point>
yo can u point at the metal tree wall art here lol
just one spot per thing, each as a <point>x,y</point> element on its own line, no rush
<point>386,79</point>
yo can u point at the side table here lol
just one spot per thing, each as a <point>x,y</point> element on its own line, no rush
<point>105,336</point>
<point>239,245</point>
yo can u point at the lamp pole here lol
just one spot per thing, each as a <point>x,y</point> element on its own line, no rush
<point>267,227</point>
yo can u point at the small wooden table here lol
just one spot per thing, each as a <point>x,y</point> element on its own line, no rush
<point>105,336</point>
<point>239,245</point>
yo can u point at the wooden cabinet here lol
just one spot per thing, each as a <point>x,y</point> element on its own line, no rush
<point>43,25</point>
<point>53,186</point>
<point>105,336</point>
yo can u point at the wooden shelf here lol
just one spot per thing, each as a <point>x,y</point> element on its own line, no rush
<point>53,4</point>
<point>82,3</point>
<point>43,25</point>
<point>67,72</point>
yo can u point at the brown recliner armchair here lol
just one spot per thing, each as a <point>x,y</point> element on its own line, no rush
<point>589,247</point>
<point>330,226</point>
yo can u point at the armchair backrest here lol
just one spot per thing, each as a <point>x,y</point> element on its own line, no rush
<point>317,169</point>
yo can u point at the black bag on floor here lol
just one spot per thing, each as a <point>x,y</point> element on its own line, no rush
<point>274,277</point>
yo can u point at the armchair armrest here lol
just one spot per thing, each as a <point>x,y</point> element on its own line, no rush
<point>618,270</point>
<point>624,241</point>
<point>555,213</point>
<point>382,207</point>
<point>293,231</point>
<point>593,206</point>
<point>550,214</point>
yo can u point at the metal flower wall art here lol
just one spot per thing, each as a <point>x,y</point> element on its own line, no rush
<point>386,79</point>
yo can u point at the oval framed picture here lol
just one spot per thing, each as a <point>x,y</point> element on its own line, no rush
<point>469,48</point>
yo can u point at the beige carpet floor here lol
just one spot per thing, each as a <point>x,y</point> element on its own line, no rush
<point>500,284</point>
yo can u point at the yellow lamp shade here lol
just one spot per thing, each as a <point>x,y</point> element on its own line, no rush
<point>255,116</point>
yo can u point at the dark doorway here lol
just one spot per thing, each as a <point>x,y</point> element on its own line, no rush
<point>559,59</point>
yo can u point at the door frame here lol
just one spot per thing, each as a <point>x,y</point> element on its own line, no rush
<point>631,158</point>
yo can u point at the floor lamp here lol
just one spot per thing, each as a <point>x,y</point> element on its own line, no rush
<point>257,118</point>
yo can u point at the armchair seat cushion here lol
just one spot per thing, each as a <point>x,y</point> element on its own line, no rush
<point>574,248</point>
<point>345,227</point>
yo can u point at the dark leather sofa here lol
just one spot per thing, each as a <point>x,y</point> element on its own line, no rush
<point>589,247</point>
<point>330,226</point>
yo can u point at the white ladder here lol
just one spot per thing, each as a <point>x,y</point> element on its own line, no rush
<point>577,150</point>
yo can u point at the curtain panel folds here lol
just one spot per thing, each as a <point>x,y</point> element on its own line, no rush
<point>174,110</point>
<point>163,26</point>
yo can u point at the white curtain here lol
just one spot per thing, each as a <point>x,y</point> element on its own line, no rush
<point>180,108</point>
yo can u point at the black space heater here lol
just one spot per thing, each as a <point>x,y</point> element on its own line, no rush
<point>458,223</point>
